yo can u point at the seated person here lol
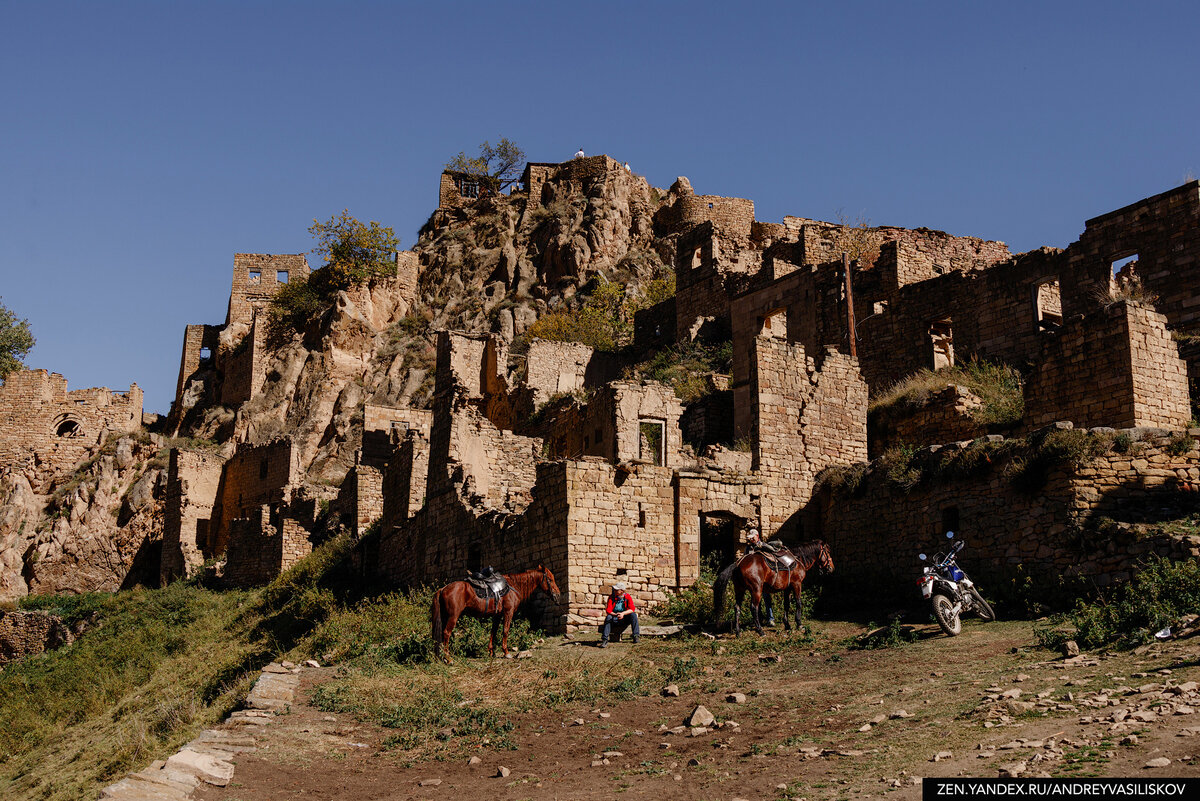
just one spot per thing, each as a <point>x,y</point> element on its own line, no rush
<point>619,613</point>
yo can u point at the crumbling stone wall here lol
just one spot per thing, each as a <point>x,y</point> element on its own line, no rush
<point>255,476</point>
<point>944,416</point>
<point>256,279</point>
<point>554,368</point>
<point>733,216</point>
<point>404,480</point>
<point>704,492</point>
<point>262,546</point>
<point>1116,367</point>
<point>385,426</point>
<point>25,634</point>
<point>360,498</point>
<point>245,367</point>
<point>40,419</point>
<point>1054,532</point>
<point>803,418</point>
<point>193,478</point>
<point>200,343</point>
<point>710,269</point>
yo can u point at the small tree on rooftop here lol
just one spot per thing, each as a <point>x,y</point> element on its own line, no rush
<point>495,167</point>
<point>16,340</point>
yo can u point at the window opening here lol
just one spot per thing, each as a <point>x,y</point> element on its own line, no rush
<point>68,429</point>
<point>650,441</point>
<point>697,257</point>
<point>641,515</point>
<point>399,425</point>
<point>205,354</point>
<point>281,276</point>
<point>262,469</point>
<point>469,189</point>
<point>255,276</point>
<point>621,571</point>
<point>1047,305</point>
<point>941,338</point>
<point>775,325</point>
<point>1124,267</point>
<point>710,205</point>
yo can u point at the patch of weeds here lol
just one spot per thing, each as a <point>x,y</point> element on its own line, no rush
<point>1181,444</point>
<point>1157,596</point>
<point>893,635</point>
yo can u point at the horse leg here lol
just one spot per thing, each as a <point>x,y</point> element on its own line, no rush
<point>755,604</point>
<point>492,639</point>
<point>738,594</point>
<point>451,621</point>
<point>787,624</point>
<point>799,609</point>
<point>508,616</point>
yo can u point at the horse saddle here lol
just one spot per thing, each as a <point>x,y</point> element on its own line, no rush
<point>779,559</point>
<point>488,584</point>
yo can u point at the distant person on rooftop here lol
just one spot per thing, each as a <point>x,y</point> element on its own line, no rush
<point>627,167</point>
<point>579,153</point>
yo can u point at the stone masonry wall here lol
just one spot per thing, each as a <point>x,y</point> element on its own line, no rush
<point>250,292</point>
<point>945,416</point>
<point>193,478</point>
<point>196,338</point>
<point>255,476</point>
<point>1047,534</point>
<point>804,418</point>
<point>1117,367</point>
<point>706,492</point>
<point>25,634</point>
<point>260,548</point>
<point>40,419</point>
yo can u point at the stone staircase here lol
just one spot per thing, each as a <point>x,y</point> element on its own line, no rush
<point>209,757</point>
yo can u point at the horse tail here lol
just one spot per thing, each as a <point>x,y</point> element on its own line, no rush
<point>719,585</point>
<point>435,616</point>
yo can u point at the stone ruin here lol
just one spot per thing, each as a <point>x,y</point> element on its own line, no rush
<point>560,460</point>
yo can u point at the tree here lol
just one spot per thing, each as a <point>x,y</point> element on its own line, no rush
<point>16,340</point>
<point>494,167</point>
<point>354,252</point>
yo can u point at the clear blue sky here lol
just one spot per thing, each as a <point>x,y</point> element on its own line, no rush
<point>143,144</point>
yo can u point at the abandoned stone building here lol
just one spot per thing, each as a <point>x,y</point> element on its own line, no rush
<point>560,455</point>
<point>46,425</point>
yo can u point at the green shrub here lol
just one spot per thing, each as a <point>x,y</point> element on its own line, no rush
<point>1180,444</point>
<point>997,385</point>
<point>1157,596</point>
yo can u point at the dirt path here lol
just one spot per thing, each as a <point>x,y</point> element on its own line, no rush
<point>805,729</point>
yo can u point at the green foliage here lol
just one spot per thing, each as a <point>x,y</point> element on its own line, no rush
<point>844,479</point>
<point>685,367</point>
<point>893,635</point>
<point>1157,596</point>
<point>354,253</point>
<point>1180,444</point>
<point>899,464</point>
<point>601,324</point>
<point>997,385</point>
<point>16,340</point>
<point>495,167</point>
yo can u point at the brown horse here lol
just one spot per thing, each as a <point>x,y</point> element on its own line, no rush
<point>752,572</point>
<point>458,597</point>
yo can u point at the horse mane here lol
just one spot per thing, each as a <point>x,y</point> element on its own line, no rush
<point>525,582</point>
<point>808,552</point>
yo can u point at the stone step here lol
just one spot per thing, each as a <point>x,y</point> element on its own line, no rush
<point>205,767</point>
<point>133,788</point>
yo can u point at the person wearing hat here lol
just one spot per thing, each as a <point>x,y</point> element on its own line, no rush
<point>620,606</point>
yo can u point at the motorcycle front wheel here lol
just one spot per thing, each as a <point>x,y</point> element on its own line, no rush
<point>981,606</point>
<point>943,610</point>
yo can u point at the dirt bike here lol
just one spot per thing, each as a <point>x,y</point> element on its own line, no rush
<point>947,587</point>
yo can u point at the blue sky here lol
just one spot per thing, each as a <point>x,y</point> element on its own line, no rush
<point>143,144</point>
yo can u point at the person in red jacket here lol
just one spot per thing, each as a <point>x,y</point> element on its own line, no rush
<point>619,612</point>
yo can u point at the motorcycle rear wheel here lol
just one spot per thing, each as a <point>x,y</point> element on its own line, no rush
<point>943,610</point>
<point>981,606</point>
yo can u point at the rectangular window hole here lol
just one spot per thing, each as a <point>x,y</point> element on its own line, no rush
<point>651,434</point>
<point>281,276</point>
<point>205,354</point>
<point>1125,265</point>
<point>1047,305</point>
<point>254,276</point>
<point>262,469</point>
<point>641,515</point>
<point>622,571</point>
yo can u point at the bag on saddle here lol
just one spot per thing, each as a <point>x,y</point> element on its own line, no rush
<point>488,584</point>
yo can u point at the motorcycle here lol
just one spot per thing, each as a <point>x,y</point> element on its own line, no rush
<point>950,591</point>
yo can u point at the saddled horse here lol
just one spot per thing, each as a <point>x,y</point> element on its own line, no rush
<point>459,597</point>
<point>756,573</point>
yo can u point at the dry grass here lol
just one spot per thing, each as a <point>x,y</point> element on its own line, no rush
<point>998,386</point>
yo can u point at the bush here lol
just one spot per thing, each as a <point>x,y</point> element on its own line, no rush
<point>1157,596</point>
<point>685,367</point>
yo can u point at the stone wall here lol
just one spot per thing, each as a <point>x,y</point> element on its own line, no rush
<point>245,366</point>
<point>255,476</point>
<point>730,215</point>
<point>610,424</point>
<point>256,279</point>
<point>702,494</point>
<point>1116,367</point>
<point>40,419</point>
<point>554,368</point>
<point>1047,533</point>
<point>943,416</point>
<point>404,480</point>
<point>193,478</point>
<point>262,546</point>
<point>385,426</point>
<point>200,344</point>
<point>803,418</point>
<point>25,634</point>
